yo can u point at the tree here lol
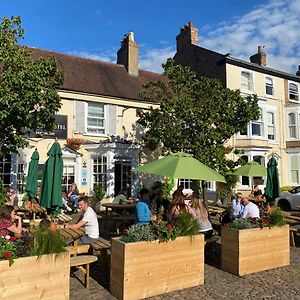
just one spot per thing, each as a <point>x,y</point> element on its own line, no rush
<point>28,89</point>
<point>196,116</point>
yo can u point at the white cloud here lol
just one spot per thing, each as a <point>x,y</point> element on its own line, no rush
<point>275,25</point>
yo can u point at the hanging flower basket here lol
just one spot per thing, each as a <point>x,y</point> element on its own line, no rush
<point>74,143</point>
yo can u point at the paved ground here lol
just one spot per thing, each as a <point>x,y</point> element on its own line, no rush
<point>281,283</point>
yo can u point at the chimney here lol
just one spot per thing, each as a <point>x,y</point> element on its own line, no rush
<point>128,54</point>
<point>298,72</point>
<point>188,36</point>
<point>260,57</point>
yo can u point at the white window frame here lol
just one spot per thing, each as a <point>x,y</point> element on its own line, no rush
<point>105,173</point>
<point>268,85</point>
<point>271,125</point>
<point>245,88</point>
<point>294,126</point>
<point>96,127</point>
<point>290,155</point>
<point>251,154</point>
<point>259,122</point>
<point>296,94</point>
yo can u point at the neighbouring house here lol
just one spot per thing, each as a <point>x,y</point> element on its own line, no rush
<point>96,123</point>
<point>277,132</point>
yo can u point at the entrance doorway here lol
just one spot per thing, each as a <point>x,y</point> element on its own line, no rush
<point>123,177</point>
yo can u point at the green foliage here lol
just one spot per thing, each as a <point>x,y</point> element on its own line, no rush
<point>47,241</point>
<point>3,197</point>
<point>166,186</point>
<point>226,189</point>
<point>165,231</point>
<point>28,89</point>
<point>240,224</point>
<point>12,248</point>
<point>276,217</point>
<point>139,233</point>
<point>186,225</point>
<point>286,188</point>
<point>195,116</point>
<point>99,192</point>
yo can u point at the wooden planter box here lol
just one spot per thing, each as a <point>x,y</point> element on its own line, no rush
<point>252,250</point>
<point>44,277</point>
<point>144,269</point>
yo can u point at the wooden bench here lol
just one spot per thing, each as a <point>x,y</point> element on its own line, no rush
<point>83,262</point>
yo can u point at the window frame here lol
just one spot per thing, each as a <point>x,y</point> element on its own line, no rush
<point>294,126</point>
<point>272,86</point>
<point>249,81</point>
<point>105,114</point>
<point>272,125</point>
<point>291,83</point>
<point>104,173</point>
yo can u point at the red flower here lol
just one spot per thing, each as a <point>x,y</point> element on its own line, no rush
<point>265,221</point>
<point>13,238</point>
<point>6,255</point>
<point>170,227</point>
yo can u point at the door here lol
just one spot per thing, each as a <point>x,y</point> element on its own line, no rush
<point>123,177</point>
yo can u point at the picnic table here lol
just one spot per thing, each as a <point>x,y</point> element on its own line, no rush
<point>72,235</point>
<point>121,214</point>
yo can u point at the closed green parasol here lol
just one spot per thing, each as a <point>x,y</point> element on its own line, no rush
<point>251,169</point>
<point>272,187</point>
<point>51,188</point>
<point>180,165</point>
<point>32,176</point>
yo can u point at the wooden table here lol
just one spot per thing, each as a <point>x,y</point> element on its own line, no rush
<point>72,235</point>
<point>121,213</point>
<point>257,201</point>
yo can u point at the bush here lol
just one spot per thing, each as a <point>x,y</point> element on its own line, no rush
<point>276,217</point>
<point>286,188</point>
<point>240,224</point>
<point>139,233</point>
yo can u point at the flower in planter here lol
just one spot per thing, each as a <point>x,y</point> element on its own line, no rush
<point>74,143</point>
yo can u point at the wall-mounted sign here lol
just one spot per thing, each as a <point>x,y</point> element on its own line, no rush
<point>61,130</point>
<point>84,176</point>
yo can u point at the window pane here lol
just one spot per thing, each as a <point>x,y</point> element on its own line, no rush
<point>95,118</point>
<point>292,119</point>
<point>293,92</point>
<point>295,176</point>
<point>294,162</point>
<point>256,129</point>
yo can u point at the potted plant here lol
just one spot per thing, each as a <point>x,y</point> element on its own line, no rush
<point>74,143</point>
<point>40,268</point>
<point>99,193</point>
<point>156,259</point>
<point>253,245</point>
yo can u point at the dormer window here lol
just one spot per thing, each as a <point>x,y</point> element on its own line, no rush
<point>293,92</point>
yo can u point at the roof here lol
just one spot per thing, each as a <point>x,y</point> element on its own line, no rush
<point>262,69</point>
<point>97,77</point>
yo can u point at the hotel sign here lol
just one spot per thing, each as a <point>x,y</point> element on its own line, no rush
<point>61,130</point>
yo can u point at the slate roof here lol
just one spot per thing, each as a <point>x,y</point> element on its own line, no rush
<point>97,77</point>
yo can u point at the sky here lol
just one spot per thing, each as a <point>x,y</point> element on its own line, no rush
<point>94,28</point>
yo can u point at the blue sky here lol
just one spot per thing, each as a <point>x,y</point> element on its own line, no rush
<point>94,28</point>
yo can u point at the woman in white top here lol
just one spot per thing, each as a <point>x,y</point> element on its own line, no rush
<point>199,213</point>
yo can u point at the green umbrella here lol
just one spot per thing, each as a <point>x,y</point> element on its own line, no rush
<point>32,176</point>
<point>251,169</point>
<point>180,165</point>
<point>272,187</point>
<point>51,189</point>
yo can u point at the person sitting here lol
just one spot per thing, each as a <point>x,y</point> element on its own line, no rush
<point>142,211</point>
<point>88,222</point>
<point>256,192</point>
<point>66,207</point>
<point>12,195</point>
<point>177,205</point>
<point>199,213</point>
<point>121,197</point>
<point>237,208</point>
<point>250,209</point>
<point>8,218</point>
<point>74,195</point>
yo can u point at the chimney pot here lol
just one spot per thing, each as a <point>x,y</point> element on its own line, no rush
<point>298,72</point>
<point>188,36</point>
<point>260,57</point>
<point>127,55</point>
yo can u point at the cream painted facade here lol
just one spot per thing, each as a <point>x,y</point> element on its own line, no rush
<point>261,146</point>
<point>99,153</point>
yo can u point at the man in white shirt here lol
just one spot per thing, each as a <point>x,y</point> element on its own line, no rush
<point>251,210</point>
<point>88,222</point>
